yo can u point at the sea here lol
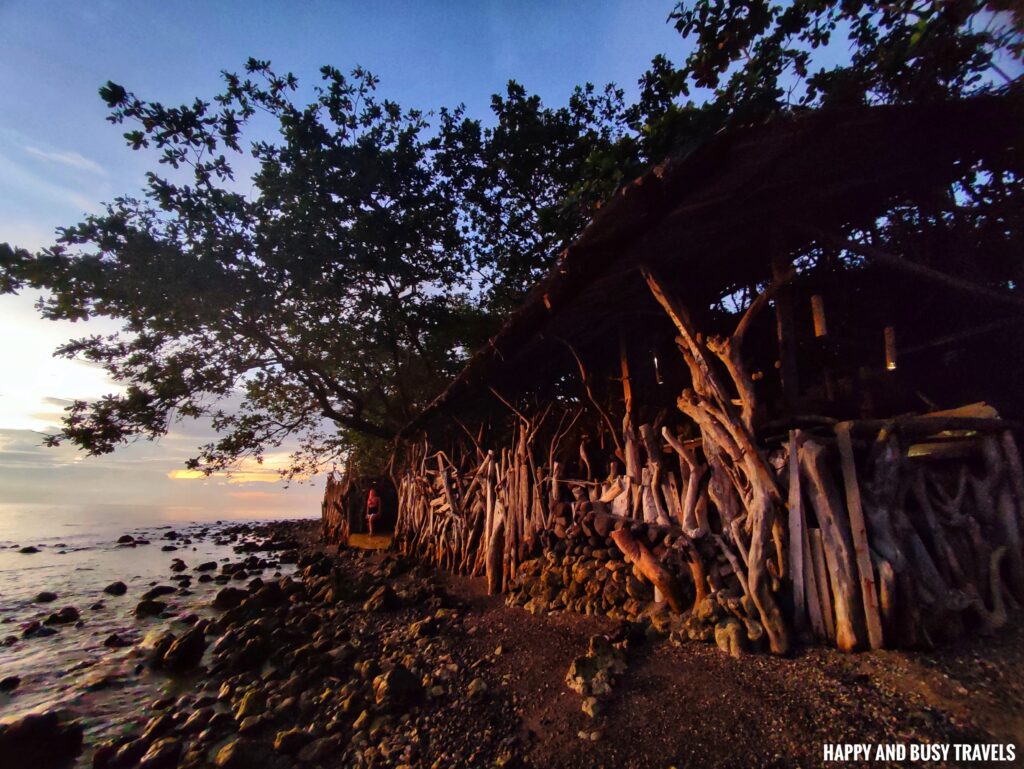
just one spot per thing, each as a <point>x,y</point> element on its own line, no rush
<point>107,689</point>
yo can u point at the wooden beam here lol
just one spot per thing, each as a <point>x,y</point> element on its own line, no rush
<point>858,528</point>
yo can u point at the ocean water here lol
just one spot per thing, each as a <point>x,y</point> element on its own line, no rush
<point>109,689</point>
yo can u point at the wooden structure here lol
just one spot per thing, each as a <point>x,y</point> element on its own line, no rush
<point>671,417</point>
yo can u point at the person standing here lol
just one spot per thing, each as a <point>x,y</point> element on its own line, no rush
<point>372,507</point>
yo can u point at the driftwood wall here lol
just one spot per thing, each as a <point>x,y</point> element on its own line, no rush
<point>861,534</point>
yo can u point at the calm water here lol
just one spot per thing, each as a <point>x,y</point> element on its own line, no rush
<point>78,557</point>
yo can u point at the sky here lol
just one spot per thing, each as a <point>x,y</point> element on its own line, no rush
<point>60,159</point>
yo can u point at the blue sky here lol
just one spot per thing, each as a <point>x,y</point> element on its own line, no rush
<point>59,159</point>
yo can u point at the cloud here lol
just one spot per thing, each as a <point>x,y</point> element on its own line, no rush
<point>70,159</point>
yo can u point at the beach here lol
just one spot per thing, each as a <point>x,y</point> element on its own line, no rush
<point>291,654</point>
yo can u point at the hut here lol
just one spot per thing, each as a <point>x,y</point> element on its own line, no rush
<point>728,409</point>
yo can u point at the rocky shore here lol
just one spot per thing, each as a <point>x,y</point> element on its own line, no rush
<point>366,659</point>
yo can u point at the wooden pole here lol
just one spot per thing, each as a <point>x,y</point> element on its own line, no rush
<point>869,593</point>
<point>796,532</point>
<point>785,330</point>
<point>818,312</point>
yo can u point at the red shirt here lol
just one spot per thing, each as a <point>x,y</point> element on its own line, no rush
<point>372,502</point>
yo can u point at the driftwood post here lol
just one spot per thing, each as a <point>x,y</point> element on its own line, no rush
<point>869,594</point>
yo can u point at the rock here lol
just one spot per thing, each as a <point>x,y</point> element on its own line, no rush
<point>592,706</point>
<point>208,566</point>
<point>157,643</point>
<point>382,599</point>
<point>156,592</point>
<point>253,704</point>
<point>729,636</point>
<point>186,652</point>
<point>178,565</point>
<point>242,753</point>
<point>162,754</point>
<point>292,741</point>
<point>147,608</point>
<point>46,597</point>
<point>320,750</point>
<point>29,550</point>
<point>125,539</point>
<point>168,548</point>
<point>477,688</point>
<point>9,684</point>
<point>65,616</point>
<point>114,641</point>
<point>116,588</point>
<point>39,741</point>
<point>229,597</point>
<point>397,688</point>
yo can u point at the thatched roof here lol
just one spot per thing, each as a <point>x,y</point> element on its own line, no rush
<point>704,220</point>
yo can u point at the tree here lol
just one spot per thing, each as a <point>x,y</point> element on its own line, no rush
<point>331,294</point>
<point>755,58</point>
<point>330,302</point>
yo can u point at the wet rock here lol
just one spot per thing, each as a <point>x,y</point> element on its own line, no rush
<point>125,539</point>
<point>185,653</point>
<point>114,641</point>
<point>9,684</point>
<point>168,548</point>
<point>129,754</point>
<point>229,597</point>
<point>116,588</point>
<point>46,597</point>
<point>36,629</point>
<point>162,754</point>
<point>156,592</point>
<point>208,566</point>
<point>198,720</point>
<point>65,616</point>
<point>29,550</point>
<point>157,643</point>
<point>157,726</point>
<point>39,741</point>
<point>178,565</point>
<point>149,608</point>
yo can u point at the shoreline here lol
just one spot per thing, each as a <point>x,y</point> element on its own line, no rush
<point>367,659</point>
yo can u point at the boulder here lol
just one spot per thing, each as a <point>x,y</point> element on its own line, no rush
<point>9,684</point>
<point>149,608</point>
<point>381,599</point>
<point>397,689</point>
<point>729,636</point>
<point>242,753</point>
<point>292,741</point>
<point>29,550</point>
<point>156,592</point>
<point>65,616</point>
<point>229,597</point>
<point>186,652</point>
<point>46,597</point>
<point>116,588</point>
<point>40,741</point>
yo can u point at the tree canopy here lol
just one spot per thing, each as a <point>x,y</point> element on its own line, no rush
<point>333,292</point>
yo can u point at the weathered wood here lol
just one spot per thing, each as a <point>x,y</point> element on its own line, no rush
<point>825,589</point>
<point>858,529</point>
<point>796,532</point>
<point>637,553</point>
<point>838,545</point>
